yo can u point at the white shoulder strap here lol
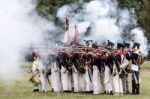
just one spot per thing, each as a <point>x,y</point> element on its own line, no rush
<point>122,58</point>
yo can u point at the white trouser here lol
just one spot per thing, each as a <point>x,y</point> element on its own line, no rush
<point>69,82</point>
<point>76,81</point>
<point>107,79</point>
<point>125,83</point>
<point>102,81</point>
<point>96,80</point>
<point>65,79</point>
<point>44,80</point>
<point>82,82</point>
<point>117,82</point>
<point>88,79</point>
<point>56,78</point>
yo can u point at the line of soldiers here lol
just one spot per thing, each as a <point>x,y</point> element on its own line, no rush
<point>90,69</point>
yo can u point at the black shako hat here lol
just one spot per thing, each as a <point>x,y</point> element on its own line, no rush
<point>127,45</point>
<point>119,45</point>
<point>136,45</point>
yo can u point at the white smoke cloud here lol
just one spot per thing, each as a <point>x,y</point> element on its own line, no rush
<point>62,12</point>
<point>139,37</point>
<point>83,27</point>
<point>106,20</point>
<point>97,9</point>
<point>103,27</point>
<point>124,17</point>
<point>20,26</point>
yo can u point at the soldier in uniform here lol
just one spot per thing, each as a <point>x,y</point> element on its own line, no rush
<point>127,70</point>
<point>118,70</point>
<point>75,75</point>
<point>35,79</point>
<point>56,74</point>
<point>88,74</point>
<point>41,69</point>
<point>81,69</point>
<point>97,66</point>
<point>107,73</point>
<point>78,72</point>
<point>65,72</point>
<point>135,69</point>
<point>88,67</point>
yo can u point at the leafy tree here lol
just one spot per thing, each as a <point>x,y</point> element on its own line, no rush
<point>144,17</point>
<point>142,9</point>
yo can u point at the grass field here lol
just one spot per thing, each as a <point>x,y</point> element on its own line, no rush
<point>22,89</point>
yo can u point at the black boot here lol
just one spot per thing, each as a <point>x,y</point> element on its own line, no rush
<point>36,90</point>
<point>137,89</point>
<point>52,90</point>
<point>89,92</point>
<point>111,93</point>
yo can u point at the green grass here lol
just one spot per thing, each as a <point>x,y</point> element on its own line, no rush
<point>22,89</point>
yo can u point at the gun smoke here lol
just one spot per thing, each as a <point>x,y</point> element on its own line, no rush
<point>20,26</point>
<point>99,20</point>
<point>103,20</point>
